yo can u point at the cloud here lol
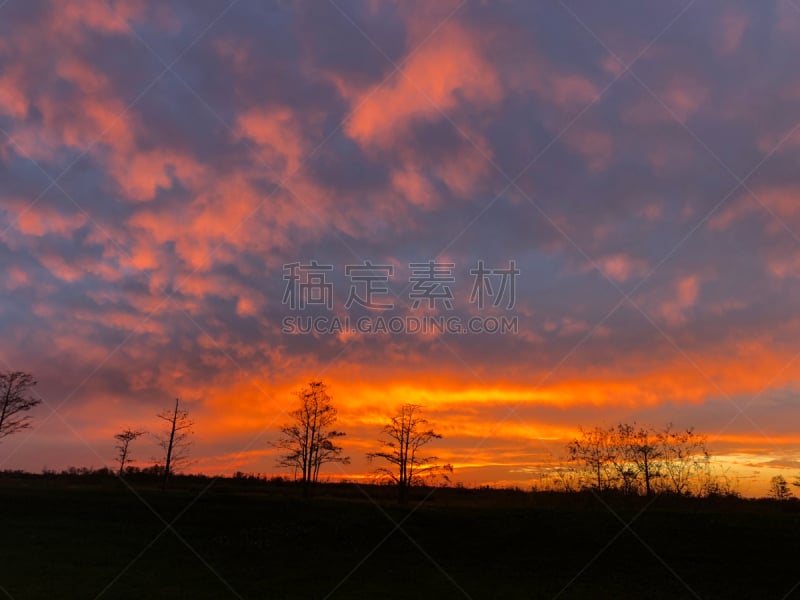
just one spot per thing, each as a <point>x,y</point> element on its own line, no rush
<point>731,30</point>
<point>154,267</point>
<point>445,72</point>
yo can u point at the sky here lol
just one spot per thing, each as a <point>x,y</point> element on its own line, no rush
<point>631,167</point>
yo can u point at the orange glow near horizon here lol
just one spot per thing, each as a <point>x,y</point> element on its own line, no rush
<point>156,263</point>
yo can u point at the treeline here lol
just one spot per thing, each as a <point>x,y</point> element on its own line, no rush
<point>628,458</point>
<point>643,460</point>
<point>153,474</point>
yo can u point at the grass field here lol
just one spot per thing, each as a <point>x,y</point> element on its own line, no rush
<point>87,538</point>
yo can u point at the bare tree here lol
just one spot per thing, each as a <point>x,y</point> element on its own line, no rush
<point>641,459</point>
<point>639,451</point>
<point>684,457</point>
<point>715,480</point>
<point>404,436</point>
<point>559,478</point>
<point>648,455</point>
<point>15,401</point>
<point>779,488</point>
<point>593,450</point>
<point>124,440</point>
<point>175,442</point>
<point>309,441</point>
<point>622,457</point>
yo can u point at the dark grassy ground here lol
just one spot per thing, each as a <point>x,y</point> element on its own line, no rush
<point>84,538</point>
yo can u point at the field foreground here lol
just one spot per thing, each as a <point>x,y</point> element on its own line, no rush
<point>74,538</point>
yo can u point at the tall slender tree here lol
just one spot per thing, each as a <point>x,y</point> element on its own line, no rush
<point>175,441</point>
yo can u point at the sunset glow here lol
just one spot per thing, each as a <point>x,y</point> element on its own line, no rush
<point>162,166</point>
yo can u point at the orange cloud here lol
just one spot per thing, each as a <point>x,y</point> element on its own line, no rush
<point>445,72</point>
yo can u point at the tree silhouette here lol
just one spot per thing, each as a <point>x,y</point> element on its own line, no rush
<point>309,440</point>
<point>124,440</point>
<point>15,401</point>
<point>594,450</point>
<point>779,488</point>
<point>684,454</point>
<point>175,442</point>
<point>403,437</point>
<point>638,452</point>
<point>640,459</point>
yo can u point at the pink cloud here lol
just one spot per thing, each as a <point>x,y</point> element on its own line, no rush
<point>620,267</point>
<point>38,219</point>
<point>16,278</point>
<point>730,31</point>
<point>682,97</point>
<point>776,202</point>
<point>277,132</point>
<point>594,145</point>
<point>447,70</point>
<point>684,296</point>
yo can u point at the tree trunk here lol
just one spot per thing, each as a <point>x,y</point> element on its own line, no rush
<point>122,459</point>
<point>167,462</point>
